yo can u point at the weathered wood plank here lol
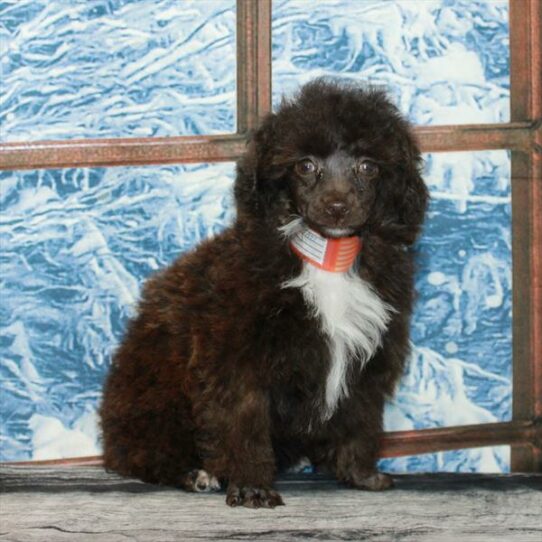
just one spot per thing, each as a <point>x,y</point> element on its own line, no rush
<point>85,503</point>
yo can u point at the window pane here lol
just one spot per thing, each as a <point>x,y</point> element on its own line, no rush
<point>79,243</point>
<point>116,68</point>
<point>461,367</point>
<point>76,246</point>
<point>445,62</point>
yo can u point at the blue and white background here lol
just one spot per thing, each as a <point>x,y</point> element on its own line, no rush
<point>76,244</point>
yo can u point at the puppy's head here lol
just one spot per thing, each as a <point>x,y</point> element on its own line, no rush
<point>341,158</point>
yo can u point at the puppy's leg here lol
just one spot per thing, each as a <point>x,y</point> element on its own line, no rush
<point>355,465</point>
<point>355,452</point>
<point>236,444</point>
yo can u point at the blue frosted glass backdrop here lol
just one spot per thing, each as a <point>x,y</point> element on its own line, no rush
<point>77,244</point>
<point>116,68</point>
<point>460,370</point>
<point>445,61</point>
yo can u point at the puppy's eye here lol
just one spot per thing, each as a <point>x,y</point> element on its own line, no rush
<point>305,168</point>
<point>368,169</point>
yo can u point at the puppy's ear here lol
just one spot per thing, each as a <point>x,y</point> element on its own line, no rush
<point>260,172</point>
<point>413,203</point>
<point>268,146</point>
<point>249,164</point>
<point>246,180</point>
<point>402,202</point>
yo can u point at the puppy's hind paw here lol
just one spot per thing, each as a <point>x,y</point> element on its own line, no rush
<point>200,481</point>
<point>253,497</point>
<point>374,481</point>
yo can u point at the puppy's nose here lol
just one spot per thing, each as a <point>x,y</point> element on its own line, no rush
<point>336,209</point>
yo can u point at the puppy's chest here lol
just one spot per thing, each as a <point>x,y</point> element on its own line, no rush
<point>352,318</point>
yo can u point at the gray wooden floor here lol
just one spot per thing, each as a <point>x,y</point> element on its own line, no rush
<point>83,503</point>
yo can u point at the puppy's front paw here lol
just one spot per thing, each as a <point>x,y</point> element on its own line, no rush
<point>374,481</point>
<point>253,497</point>
<point>200,481</point>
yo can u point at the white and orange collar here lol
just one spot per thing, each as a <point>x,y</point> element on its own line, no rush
<point>336,255</point>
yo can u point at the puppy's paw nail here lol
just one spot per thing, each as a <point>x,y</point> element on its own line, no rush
<point>233,500</point>
<point>253,497</point>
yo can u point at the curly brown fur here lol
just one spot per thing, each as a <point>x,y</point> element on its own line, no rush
<point>224,369</point>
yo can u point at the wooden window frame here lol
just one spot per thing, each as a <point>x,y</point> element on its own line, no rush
<point>522,136</point>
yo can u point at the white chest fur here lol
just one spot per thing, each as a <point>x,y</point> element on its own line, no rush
<point>352,316</point>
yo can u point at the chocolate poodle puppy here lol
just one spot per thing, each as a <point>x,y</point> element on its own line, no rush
<point>280,338</point>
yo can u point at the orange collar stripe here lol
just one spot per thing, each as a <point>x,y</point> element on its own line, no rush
<point>335,255</point>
